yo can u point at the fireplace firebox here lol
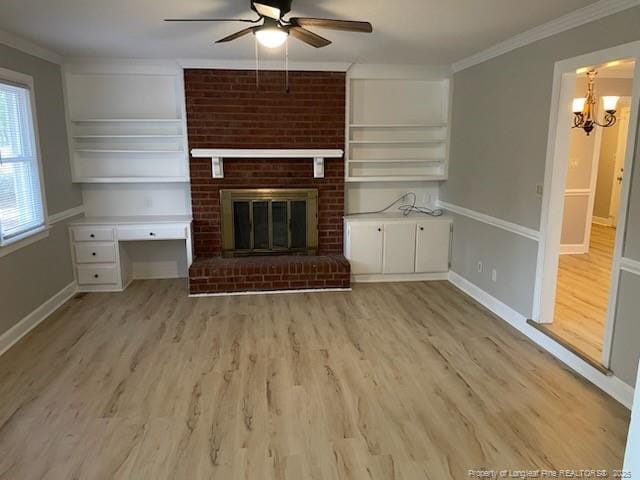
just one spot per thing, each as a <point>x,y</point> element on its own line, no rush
<point>269,221</point>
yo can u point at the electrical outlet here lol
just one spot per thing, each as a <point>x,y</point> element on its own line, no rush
<point>494,275</point>
<point>479,267</point>
<point>539,189</point>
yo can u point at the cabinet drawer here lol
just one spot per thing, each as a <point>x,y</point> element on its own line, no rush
<point>91,234</point>
<point>95,253</point>
<point>152,232</point>
<point>97,274</point>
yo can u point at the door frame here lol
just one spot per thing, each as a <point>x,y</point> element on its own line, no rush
<point>555,180</point>
<point>590,193</point>
<point>614,212</point>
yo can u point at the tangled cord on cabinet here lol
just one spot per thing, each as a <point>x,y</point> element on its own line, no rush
<point>406,208</point>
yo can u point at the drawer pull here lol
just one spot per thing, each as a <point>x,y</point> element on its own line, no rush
<point>93,253</point>
<point>152,234</point>
<point>95,275</point>
<point>421,228</point>
<point>92,235</point>
<point>379,229</point>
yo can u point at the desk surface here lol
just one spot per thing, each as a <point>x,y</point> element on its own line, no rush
<point>142,219</point>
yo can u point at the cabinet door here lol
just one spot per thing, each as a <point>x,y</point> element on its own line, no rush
<point>365,248</point>
<point>432,246</point>
<point>399,247</point>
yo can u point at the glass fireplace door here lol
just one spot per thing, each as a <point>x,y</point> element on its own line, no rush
<point>269,222</point>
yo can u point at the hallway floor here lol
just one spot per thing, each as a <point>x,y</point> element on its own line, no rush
<point>583,292</point>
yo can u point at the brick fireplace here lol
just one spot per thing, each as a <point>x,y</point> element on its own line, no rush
<point>225,110</point>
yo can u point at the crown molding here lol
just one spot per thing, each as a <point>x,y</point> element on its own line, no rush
<point>582,16</point>
<point>264,65</point>
<point>26,46</point>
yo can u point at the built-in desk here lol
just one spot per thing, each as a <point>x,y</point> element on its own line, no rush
<point>100,260</point>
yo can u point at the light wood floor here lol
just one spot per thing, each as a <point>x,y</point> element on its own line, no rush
<point>390,381</point>
<point>582,294</point>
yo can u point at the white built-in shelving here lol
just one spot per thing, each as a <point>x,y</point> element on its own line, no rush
<point>397,129</point>
<point>127,125</point>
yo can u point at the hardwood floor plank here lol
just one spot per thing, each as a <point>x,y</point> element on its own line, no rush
<point>389,381</point>
<point>582,294</point>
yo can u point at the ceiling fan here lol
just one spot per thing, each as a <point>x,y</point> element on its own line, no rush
<point>272,29</point>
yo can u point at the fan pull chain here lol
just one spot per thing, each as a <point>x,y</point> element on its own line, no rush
<point>257,66</point>
<point>286,64</point>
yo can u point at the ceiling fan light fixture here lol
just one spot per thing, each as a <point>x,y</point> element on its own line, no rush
<point>271,37</point>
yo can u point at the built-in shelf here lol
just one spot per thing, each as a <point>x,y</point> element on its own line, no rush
<point>396,142</point>
<point>145,179</point>
<point>95,150</point>
<point>401,160</point>
<point>397,129</point>
<point>403,178</point>
<point>89,137</point>
<point>126,120</point>
<point>398,125</point>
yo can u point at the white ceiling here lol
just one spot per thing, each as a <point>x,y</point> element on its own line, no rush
<point>427,32</point>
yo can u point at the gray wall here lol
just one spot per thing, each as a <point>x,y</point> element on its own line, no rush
<point>499,131</point>
<point>32,275</point>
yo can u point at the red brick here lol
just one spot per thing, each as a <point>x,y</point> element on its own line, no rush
<point>225,110</point>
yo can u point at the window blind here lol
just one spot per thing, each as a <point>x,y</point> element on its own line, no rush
<point>21,206</point>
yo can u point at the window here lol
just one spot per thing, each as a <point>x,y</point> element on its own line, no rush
<point>21,200</point>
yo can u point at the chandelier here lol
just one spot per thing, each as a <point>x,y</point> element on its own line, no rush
<point>584,114</point>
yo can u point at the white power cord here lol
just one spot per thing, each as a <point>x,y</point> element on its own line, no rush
<point>407,208</point>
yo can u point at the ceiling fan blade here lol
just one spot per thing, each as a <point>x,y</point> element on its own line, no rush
<point>308,37</point>
<point>233,36</point>
<point>210,20</point>
<point>267,10</point>
<point>346,25</point>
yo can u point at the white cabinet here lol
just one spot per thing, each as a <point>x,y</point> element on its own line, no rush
<point>397,248</point>
<point>432,246</point>
<point>101,261</point>
<point>366,247</point>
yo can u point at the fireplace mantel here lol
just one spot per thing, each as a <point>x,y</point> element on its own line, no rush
<point>217,156</point>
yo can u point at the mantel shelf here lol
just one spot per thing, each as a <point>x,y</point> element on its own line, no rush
<point>217,156</point>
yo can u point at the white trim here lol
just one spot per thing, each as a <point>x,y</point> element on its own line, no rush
<point>630,265</point>
<point>610,384</point>
<point>582,16</point>
<point>489,220</point>
<point>24,240</point>
<point>554,184</point>
<point>28,323</point>
<point>577,192</point>
<point>71,212</point>
<point>217,156</point>
<point>262,154</point>
<point>30,48</point>
<point>573,249</point>
<point>399,277</point>
<point>607,222</point>
<point>208,63</point>
<point>268,292</point>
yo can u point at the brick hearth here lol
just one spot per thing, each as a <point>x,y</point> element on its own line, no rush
<point>225,110</point>
<point>285,272</point>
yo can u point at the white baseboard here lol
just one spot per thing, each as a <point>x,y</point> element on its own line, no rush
<point>268,292</point>
<point>573,249</point>
<point>610,384</point>
<point>400,277</point>
<point>28,323</point>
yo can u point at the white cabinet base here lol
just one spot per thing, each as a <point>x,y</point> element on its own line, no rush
<point>400,277</point>
<point>396,248</point>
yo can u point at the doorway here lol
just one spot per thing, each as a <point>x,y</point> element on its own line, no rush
<point>585,203</point>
